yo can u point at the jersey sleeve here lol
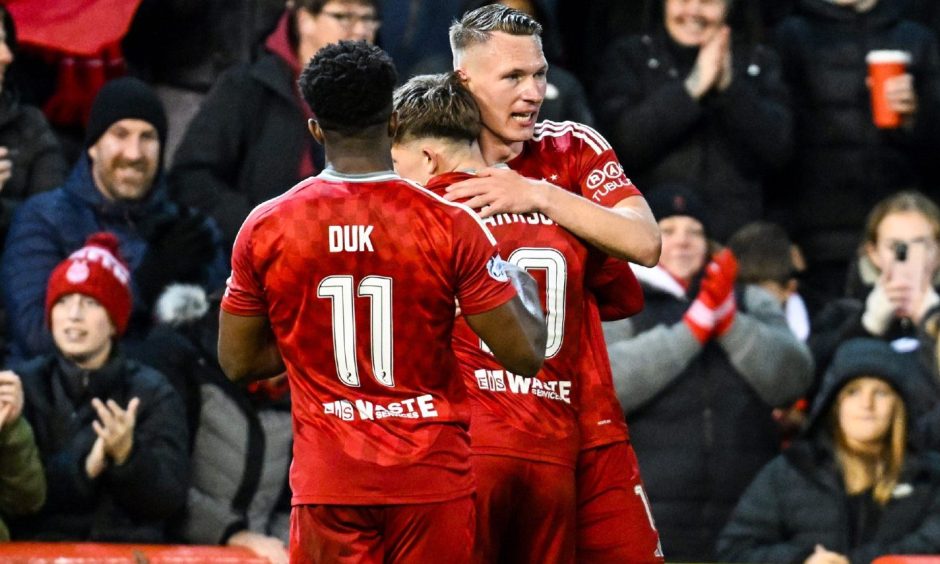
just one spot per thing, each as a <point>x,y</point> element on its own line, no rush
<point>599,173</point>
<point>616,289</point>
<point>244,293</point>
<point>482,284</point>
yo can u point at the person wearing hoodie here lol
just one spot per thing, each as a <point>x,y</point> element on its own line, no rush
<point>116,186</point>
<point>698,100</point>
<point>249,141</point>
<point>698,373</point>
<point>844,164</point>
<point>854,487</point>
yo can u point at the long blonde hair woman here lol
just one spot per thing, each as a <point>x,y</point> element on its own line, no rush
<point>853,488</point>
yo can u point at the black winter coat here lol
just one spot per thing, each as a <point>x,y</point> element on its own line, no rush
<point>799,501</point>
<point>128,503</point>
<point>724,145</point>
<point>245,145</point>
<point>843,163</point>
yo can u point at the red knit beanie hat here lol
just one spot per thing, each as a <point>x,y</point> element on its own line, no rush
<point>96,270</point>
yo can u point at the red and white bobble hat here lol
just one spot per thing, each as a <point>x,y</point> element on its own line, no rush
<point>98,271</point>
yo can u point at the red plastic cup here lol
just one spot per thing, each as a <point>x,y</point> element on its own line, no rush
<point>882,65</point>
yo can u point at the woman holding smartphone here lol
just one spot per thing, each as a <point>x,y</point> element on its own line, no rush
<point>893,291</point>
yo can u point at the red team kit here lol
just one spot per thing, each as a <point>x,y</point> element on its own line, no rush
<point>380,418</point>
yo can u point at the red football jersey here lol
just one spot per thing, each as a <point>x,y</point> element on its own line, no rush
<point>358,275</point>
<point>528,417</point>
<point>578,159</point>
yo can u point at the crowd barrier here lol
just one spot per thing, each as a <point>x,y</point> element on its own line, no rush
<point>102,553</point>
<point>907,560</point>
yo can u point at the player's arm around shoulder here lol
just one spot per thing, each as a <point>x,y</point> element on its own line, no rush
<point>627,231</point>
<point>515,331</point>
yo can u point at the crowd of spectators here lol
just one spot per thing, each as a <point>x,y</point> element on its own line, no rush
<point>796,300</point>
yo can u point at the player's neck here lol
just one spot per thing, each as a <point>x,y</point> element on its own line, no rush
<point>468,159</point>
<point>496,150</point>
<point>358,156</point>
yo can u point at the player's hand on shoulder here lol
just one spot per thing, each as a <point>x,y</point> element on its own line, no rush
<point>499,190</point>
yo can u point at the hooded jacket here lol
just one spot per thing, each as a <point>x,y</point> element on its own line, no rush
<point>700,416</point>
<point>799,500</point>
<point>844,165</point>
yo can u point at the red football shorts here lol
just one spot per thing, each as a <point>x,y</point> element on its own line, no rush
<point>615,524</point>
<point>351,534</point>
<point>525,511</point>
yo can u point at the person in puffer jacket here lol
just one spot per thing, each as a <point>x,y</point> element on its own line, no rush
<point>241,438</point>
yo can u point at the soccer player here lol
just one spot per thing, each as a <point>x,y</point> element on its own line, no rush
<point>349,281</point>
<point>523,430</point>
<point>498,55</point>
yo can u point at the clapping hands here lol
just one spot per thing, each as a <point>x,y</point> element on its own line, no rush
<point>115,430</point>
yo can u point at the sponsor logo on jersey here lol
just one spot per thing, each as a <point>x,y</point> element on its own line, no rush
<point>606,179</point>
<point>421,407</point>
<point>496,266</point>
<point>503,381</point>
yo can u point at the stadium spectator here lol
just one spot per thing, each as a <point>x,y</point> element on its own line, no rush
<point>853,488</point>
<point>844,164</point>
<point>892,288</point>
<point>248,142</point>
<point>108,429</point>
<point>697,102</point>
<point>30,158</point>
<point>698,373</point>
<point>22,481</point>
<point>116,186</point>
<point>240,448</point>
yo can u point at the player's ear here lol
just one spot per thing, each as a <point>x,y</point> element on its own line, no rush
<point>432,162</point>
<point>461,75</point>
<point>393,124</point>
<point>315,130</point>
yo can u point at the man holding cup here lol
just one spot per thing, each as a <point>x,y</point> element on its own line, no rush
<point>866,93</point>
